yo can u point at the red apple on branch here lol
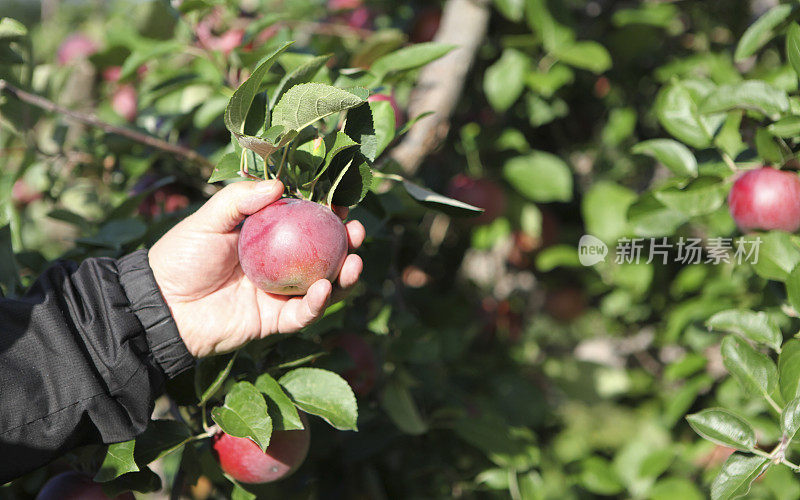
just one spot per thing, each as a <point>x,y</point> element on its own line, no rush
<point>287,246</point>
<point>766,199</point>
<point>244,461</point>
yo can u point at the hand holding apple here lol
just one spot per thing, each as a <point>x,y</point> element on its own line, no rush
<point>217,308</point>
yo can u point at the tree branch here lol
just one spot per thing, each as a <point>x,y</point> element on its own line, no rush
<point>464,24</point>
<point>85,118</point>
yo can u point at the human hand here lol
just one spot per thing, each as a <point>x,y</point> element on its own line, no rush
<point>216,307</point>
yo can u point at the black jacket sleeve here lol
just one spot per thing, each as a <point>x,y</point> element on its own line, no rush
<point>83,355</point>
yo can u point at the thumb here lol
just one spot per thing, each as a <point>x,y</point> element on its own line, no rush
<point>227,208</point>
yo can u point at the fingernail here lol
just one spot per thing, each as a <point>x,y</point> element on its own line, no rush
<point>266,186</point>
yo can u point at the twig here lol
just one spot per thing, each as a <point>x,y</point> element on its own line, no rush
<point>464,24</point>
<point>88,119</point>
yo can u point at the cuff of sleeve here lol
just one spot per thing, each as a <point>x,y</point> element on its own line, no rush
<point>147,303</point>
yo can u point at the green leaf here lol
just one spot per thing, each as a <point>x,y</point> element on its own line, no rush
<point>240,101</point>
<point>724,428</point>
<point>352,180</point>
<point>336,144</point>
<point>674,155</point>
<point>788,127</point>
<point>677,110</point>
<point>397,402</point>
<point>605,208</point>
<point>598,476</point>
<point>777,255</point>
<point>585,55</point>
<point>540,176</point>
<point>439,202</point>
<point>12,30</point>
<point>512,9</point>
<point>145,52</point>
<point>301,74</point>
<point>755,95</point>
<point>324,394</point>
<point>210,374</point>
<point>228,167</point>
<point>306,159</point>
<point>793,288</point>
<point>546,84</point>
<point>675,487</point>
<point>755,326</point>
<point>553,34</point>
<point>141,481</point>
<point>408,58</point>
<point>650,218</point>
<point>755,372</point>
<point>161,438</point>
<point>502,446</point>
<point>793,46</point>
<point>504,81</point>
<point>762,31</point>
<point>372,126</point>
<point>789,369</point>
<point>239,493</point>
<point>701,196</point>
<point>660,15</point>
<point>790,419</point>
<point>737,473</point>
<point>245,414</point>
<point>118,461</point>
<point>307,103</point>
<point>281,409</point>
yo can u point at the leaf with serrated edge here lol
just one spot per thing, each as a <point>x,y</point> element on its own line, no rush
<point>724,428</point>
<point>240,101</point>
<point>789,369</point>
<point>761,32</point>
<point>755,372</point>
<point>282,411</point>
<point>245,414</point>
<point>212,364</point>
<point>737,473</point>
<point>674,155</point>
<point>324,394</point>
<point>755,326</point>
<point>118,461</point>
<point>226,168</point>
<point>307,103</point>
<point>301,74</point>
<point>790,419</point>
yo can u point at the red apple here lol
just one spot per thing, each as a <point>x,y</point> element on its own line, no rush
<point>76,486</point>
<point>124,101</point>
<point>766,199</point>
<point>398,113</point>
<point>287,246</point>
<point>482,193</point>
<point>426,25</point>
<point>244,461</point>
<point>364,372</point>
<point>75,46</point>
